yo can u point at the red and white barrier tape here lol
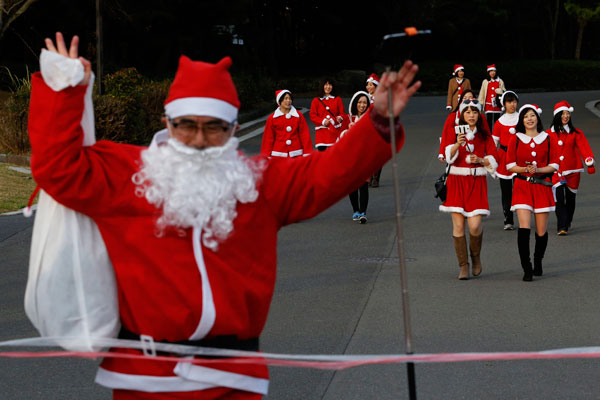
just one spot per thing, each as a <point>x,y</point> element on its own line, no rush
<point>329,362</point>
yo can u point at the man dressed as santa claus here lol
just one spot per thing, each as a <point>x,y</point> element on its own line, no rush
<point>190,223</point>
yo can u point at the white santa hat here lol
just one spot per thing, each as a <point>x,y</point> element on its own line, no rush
<point>562,106</point>
<point>534,107</point>
<point>469,103</point>
<point>203,89</point>
<point>457,67</point>
<point>355,99</point>
<point>279,94</point>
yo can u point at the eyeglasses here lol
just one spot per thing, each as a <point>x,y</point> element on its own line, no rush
<point>190,128</point>
<point>470,101</point>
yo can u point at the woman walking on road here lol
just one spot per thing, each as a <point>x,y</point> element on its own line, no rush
<point>327,113</point>
<point>489,95</point>
<point>359,199</point>
<point>533,156</point>
<point>286,132</point>
<point>456,87</point>
<point>572,147</point>
<point>372,83</point>
<point>504,129</point>
<point>471,156</point>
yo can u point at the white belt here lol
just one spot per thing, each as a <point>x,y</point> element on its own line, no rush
<point>294,153</point>
<point>463,171</point>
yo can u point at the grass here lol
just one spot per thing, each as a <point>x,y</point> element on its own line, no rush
<point>15,189</point>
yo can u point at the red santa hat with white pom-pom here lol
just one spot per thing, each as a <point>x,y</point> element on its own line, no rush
<point>534,107</point>
<point>203,89</point>
<point>562,106</point>
<point>491,67</point>
<point>279,95</point>
<point>374,79</point>
<point>457,67</point>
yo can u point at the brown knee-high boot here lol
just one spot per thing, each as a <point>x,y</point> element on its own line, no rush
<point>460,245</point>
<point>475,247</point>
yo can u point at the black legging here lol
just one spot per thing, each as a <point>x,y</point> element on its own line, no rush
<point>360,198</point>
<point>491,119</point>
<point>506,187</point>
<point>565,207</point>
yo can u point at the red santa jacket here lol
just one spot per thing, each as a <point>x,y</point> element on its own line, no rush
<point>326,108</point>
<point>286,135</point>
<point>480,145</point>
<point>503,131</point>
<point>572,146</point>
<point>172,287</point>
<point>542,149</point>
<point>449,134</point>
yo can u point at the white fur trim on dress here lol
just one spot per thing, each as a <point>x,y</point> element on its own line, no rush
<point>535,211</point>
<point>462,211</point>
<point>493,164</point>
<point>505,176</point>
<point>202,106</point>
<point>464,171</point>
<point>572,171</point>
<point>209,313</point>
<point>448,152</point>
<point>509,119</point>
<point>293,112</point>
<point>554,165</point>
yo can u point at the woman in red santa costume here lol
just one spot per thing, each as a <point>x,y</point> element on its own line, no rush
<point>533,157</point>
<point>286,132</point>
<point>572,147</point>
<point>327,113</point>
<point>190,223</point>
<point>504,129</point>
<point>489,95</point>
<point>372,83</point>
<point>456,87</point>
<point>471,156</point>
<point>359,199</point>
<point>448,132</point>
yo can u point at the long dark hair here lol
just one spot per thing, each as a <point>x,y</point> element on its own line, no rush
<point>557,123</point>
<point>322,84</point>
<point>480,131</point>
<point>521,127</point>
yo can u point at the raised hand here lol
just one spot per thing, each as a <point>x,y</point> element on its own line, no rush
<point>402,90</point>
<point>72,52</point>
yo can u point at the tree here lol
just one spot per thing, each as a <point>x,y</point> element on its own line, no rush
<point>11,10</point>
<point>583,16</point>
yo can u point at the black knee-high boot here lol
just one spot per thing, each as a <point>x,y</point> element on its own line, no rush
<point>523,243</point>
<point>540,249</point>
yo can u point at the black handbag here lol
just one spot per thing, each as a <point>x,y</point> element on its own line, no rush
<point>440,185</point>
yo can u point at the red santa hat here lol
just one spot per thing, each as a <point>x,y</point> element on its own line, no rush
<point>457,67</point>
<point>562,106</point>
<point>491,67</point>
<point>279,94</point>
<point>534,107</point>
<point>203,89</point>
<point>373,78</point>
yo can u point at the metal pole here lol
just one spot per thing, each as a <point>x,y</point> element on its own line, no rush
<point>410,367</point>
<point>99,45</point>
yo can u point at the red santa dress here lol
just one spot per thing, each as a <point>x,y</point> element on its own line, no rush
<point>286,135</point>
<point>504,129</point>
<point>543,151</point>
<point>172,287</point>
<point>466,183</point>
<point>572,147</point>
<point>449,135</point>
<point>322,109</point>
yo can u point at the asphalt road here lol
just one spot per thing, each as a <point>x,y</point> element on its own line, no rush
<point>338,292</point>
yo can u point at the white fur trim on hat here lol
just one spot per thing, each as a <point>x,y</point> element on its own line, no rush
<point>201,106</point>
<point>535,108</point>
<point>561,109</point>
<point>280,95</point>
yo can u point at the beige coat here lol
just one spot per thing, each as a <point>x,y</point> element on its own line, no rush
<point>453,91</point>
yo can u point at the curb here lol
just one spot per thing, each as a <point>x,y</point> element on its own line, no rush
<point>593,107</point>
<point>24,161</point>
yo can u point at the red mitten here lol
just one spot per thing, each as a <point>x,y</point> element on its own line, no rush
<point>591,170</point>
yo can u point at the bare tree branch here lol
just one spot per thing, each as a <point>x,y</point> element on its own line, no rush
<point>11,17</point>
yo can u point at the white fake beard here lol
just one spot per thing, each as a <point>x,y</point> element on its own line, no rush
<point>198,188</point>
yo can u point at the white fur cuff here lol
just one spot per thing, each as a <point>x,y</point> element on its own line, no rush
<point>60,72</point>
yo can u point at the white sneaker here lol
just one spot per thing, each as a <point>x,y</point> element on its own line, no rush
<point>508,227</point>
